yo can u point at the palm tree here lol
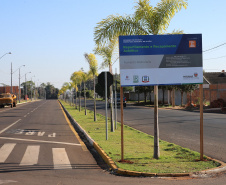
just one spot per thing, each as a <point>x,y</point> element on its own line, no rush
<point>93,70</point>
<point>75,86</point>
<point>145,21</point>
<point>85,77</point>
<point>65,88</point>
<point>107,52</point>
<point>76,77</point>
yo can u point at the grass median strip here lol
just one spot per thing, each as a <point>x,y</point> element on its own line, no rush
<point>139,148</point>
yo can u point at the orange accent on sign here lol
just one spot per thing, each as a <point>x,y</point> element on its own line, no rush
<point>192,43</point>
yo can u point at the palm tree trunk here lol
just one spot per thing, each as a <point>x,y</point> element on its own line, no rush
<point>85,97</point>
<point>111,98</point>
<point>163,96</point>
<point>145,95</point>
<point>112,116</point>
<point>76,99</point>
<point>182,98</point>
<point>80,97</point>
<point>150,96</point>
<point>94,84</point>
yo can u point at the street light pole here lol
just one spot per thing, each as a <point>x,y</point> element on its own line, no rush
<point>12,77</point>
<point>19,86</point>
<point>31,87</point>
<point>19,83</point>
<point>5,54</point>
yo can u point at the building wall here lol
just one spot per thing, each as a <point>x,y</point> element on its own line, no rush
<point>7,89</point>
<point>167,97</point>
<point>210,93</point>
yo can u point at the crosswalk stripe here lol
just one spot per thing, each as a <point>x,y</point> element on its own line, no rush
<point>31,155</point>
<point>5,150</point>
<point>60,159</point>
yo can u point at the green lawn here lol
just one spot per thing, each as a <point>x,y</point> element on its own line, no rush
<point>139,148</point>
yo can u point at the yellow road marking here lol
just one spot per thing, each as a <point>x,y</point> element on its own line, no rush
<point>73,130</point>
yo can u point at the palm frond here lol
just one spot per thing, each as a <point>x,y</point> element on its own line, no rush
<point>113,26</point>
<point>93,66</point>
<point>164,12</point>
<point>144,14</point>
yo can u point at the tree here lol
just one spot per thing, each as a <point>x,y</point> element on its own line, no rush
<point>74,85</point>
<point>93,70</point>
<point>27,88</point>
<point>76,77</point>
<point>163,87</point>
<point>63,90</point>
<point>146,20</point>
<point>107,52</point>
<point>186,88</point>
<point>85,77</point>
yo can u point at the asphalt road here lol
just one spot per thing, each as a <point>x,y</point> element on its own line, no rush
<point>37,146</point>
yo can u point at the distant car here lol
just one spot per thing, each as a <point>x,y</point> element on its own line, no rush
<point>7,99</point>
<point>118,100</point>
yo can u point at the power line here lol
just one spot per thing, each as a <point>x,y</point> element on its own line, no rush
<point>215,47</point>
<point>215,58</point>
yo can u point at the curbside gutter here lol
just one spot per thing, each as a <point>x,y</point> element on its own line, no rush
<point>120,171</point>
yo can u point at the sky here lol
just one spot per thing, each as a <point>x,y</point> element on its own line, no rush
<point>50,37</point>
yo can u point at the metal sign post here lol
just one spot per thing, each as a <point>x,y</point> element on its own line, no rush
<point>201,121</point>
<point>122,138</point>
<point>115,99</point>
<point>106,109</point>
<point>105,79</point>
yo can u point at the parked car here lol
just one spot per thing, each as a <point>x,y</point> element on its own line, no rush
<point>8,99</point>
<point>118,100</point>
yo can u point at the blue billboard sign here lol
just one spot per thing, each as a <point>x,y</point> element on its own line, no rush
<point>160,59</point>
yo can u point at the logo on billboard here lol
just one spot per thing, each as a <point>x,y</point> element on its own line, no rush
<point>196,75</point>
<point>192,43</point>
<point>135,79</point>
<point>145,79</point>
<point>127,78</point>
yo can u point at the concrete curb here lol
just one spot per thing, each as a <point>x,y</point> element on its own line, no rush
<point>120,171</point>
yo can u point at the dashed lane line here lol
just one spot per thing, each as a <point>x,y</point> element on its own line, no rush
<point>9,126</point>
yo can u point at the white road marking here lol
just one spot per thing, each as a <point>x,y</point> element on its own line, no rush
<point>52,135</point>
<point>30,133</point>
<point>6,181</point>
<point>5,151</point>
<point>41,141</point>
<point>19,131</point>
<point>41,133</point>
<point>9,126</point>
<point>31,156</point>
<point>60,159</point>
